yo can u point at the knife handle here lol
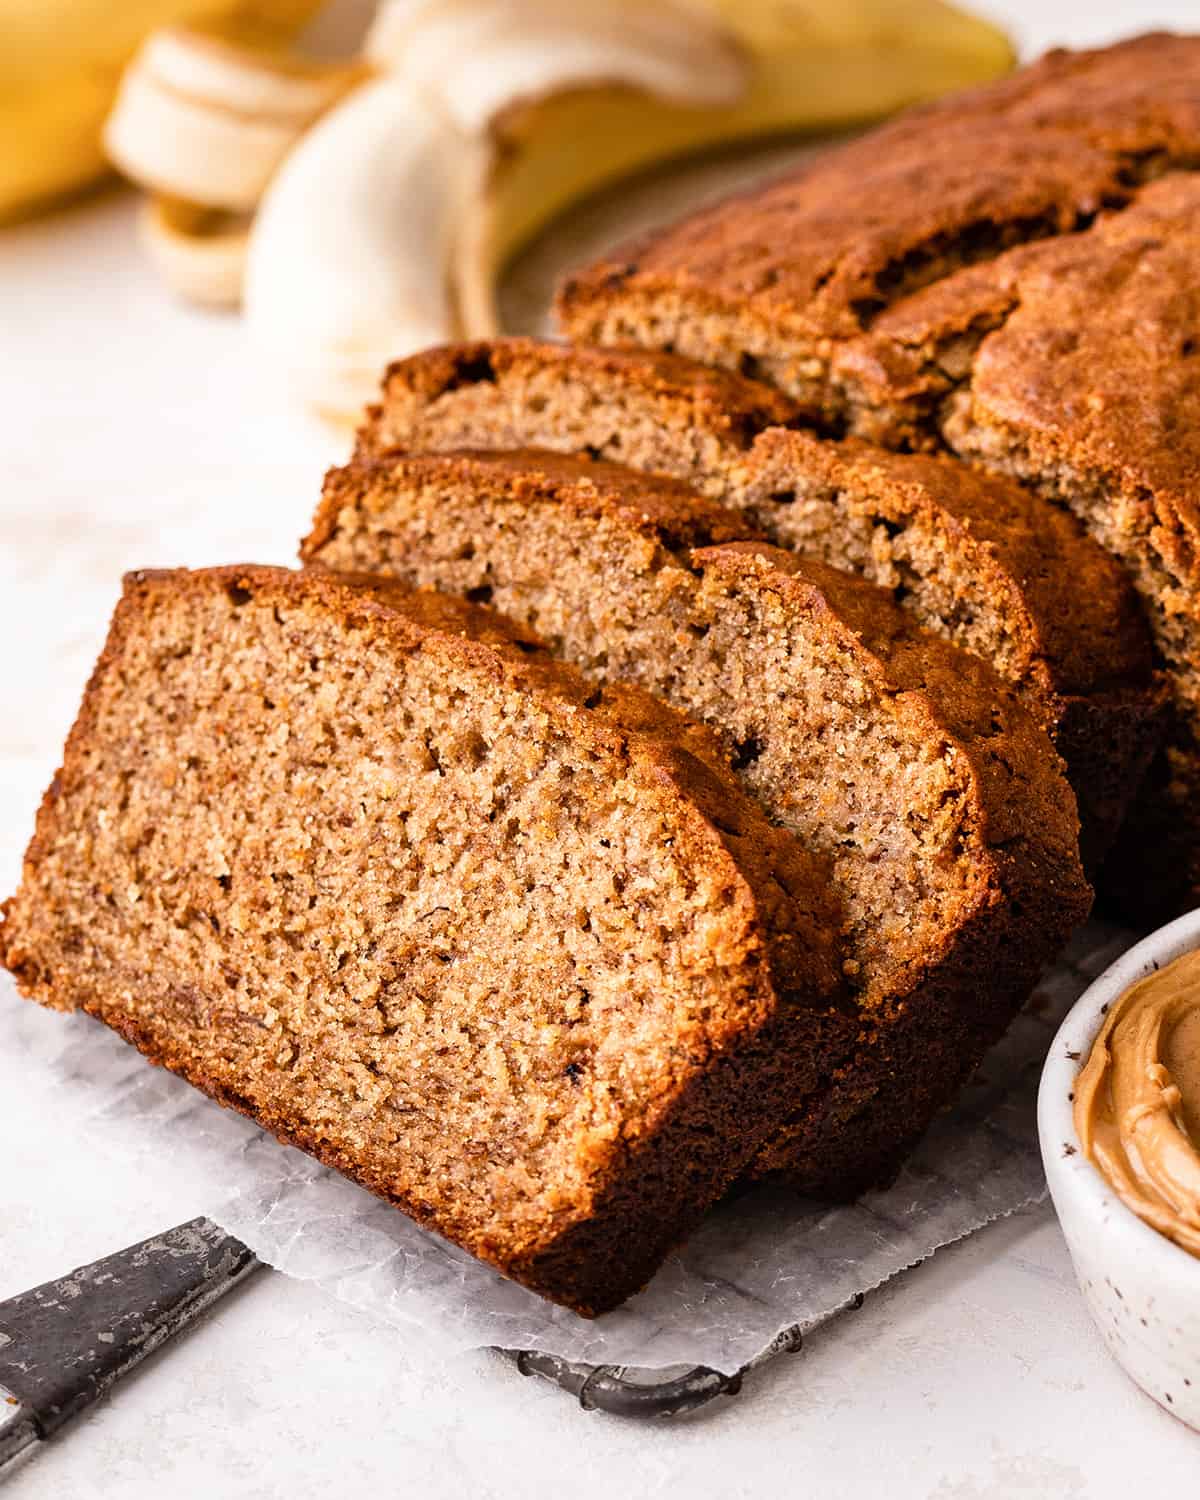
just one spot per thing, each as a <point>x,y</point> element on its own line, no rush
<point>63,1343</point>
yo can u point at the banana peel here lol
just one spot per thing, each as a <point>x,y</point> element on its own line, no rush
<point>60,66</point>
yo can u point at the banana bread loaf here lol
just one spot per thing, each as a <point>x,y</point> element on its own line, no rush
<point>375,870</point>
<point>974,558</point>
<point>774,281</point>
<point>898,758</point>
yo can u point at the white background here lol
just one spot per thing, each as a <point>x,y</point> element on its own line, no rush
<point>136,432</point>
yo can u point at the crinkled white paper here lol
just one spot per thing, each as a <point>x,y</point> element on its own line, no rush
<point>760,1263</point>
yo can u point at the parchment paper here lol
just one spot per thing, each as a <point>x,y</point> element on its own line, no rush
<point>762,1262</point>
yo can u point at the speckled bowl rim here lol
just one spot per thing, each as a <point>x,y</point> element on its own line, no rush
<point>1075,1184</point>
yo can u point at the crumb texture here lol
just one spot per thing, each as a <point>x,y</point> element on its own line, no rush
<point>648,410</point>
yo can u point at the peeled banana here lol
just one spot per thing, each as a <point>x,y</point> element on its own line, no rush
<point>60,64</point>
<point>392,216</point>
<point>348,253</point>
<point>527,78</point>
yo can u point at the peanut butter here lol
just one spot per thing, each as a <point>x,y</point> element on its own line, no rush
<point>1137,1101</point>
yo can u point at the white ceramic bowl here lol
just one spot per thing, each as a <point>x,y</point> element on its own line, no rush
<point>1142,1291</point>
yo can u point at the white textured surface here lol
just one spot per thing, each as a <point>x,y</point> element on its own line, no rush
<point>135,432</point>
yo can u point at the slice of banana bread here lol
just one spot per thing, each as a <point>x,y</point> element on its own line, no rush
<point>902,760</point>
<point>375,870</point>
<point>975,558</point>
<point>773,281</point>
<point>652,411</point>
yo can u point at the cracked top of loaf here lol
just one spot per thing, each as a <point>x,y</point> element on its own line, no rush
<point>1088,343</point>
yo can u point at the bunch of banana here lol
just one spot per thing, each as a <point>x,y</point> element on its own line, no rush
<point>364,212</point>
<point>61,61</point>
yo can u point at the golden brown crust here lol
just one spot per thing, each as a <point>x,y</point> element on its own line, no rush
<point>817,254</point>
<point>1114,395</point>
<point>732,1075</point>
<point>1140,90</point>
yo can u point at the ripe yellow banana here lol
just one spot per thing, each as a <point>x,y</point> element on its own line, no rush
<point>60,64</point>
